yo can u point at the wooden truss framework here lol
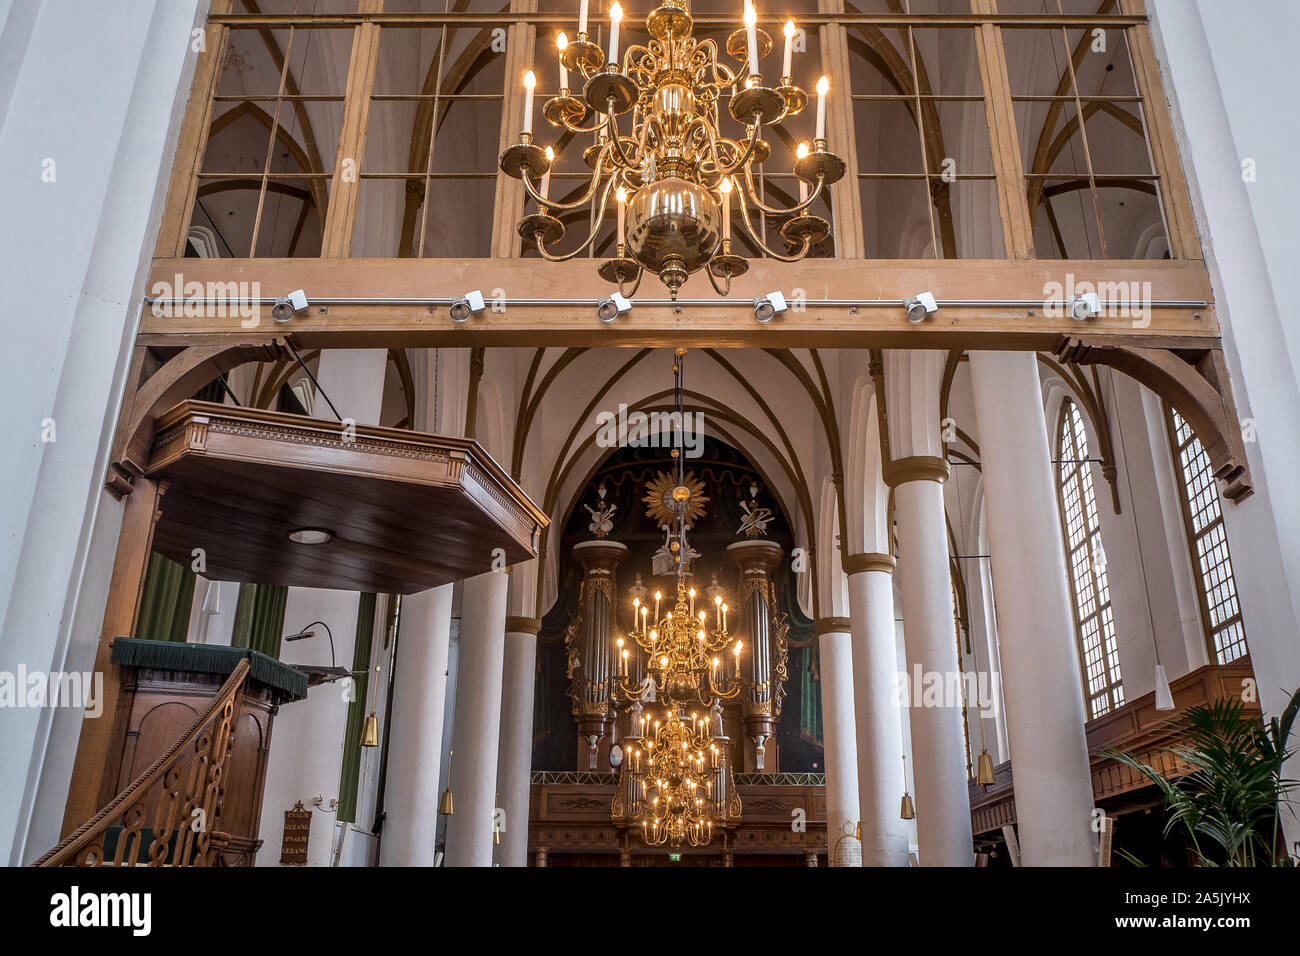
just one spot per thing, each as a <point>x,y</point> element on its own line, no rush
<point>1174,350</point>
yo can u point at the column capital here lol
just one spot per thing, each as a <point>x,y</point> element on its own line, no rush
<point>523,625</point>
<point>916,468</point>
<point>831,625</point>
<point>869,561</point>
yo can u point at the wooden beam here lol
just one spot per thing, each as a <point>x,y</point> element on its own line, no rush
<point>553,308</point>
<point>99,750</point>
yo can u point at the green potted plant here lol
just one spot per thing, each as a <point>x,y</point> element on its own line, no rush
<point>1231,802</point>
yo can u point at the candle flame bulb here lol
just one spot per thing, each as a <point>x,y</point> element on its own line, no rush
<point>530,80</point>
<point>801,151</point>
<point>619,642</point>
<point>823,86</point>
<point>562,41</point>
<point>737,651</point>
<point>789,28</point>
<point>717,599</point>
<point>621,195</point>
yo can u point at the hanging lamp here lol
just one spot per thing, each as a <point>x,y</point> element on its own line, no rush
<point>907,811</point>
<point>445,805</point>
<point>370,730</point>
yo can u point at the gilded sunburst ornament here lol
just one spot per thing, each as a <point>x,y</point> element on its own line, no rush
<point>660,494</point>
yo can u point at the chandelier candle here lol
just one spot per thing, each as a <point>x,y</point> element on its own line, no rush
<point>751,36</point>
<point>823,85</point>
<point>615,15</point>
<point>582,19</point>
<point>788,59</point>
<point>530,81</point>
<point>561,42</point>
<point>800,153</point>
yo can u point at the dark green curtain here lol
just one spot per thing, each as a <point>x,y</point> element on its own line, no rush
<point>810,721</point>
<point>357,710</point>
<point>259,618</point>
<point>165,604</point>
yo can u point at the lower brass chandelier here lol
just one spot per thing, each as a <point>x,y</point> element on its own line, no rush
<point>676,784</point>
<point>673,171</point>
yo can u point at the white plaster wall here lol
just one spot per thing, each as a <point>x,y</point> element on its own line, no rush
<point>99,89</point>
<point>1229,74</point>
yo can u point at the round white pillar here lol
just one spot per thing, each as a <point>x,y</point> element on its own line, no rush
<point>838,741</point>
<point>943,825</point>
<point>1041,683</point>
<point>477,720</point>
<point>876,710</point>
<point>515,759</point>
<point>415,731</point>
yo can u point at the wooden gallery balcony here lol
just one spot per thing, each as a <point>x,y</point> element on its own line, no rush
<point>1136,727</point>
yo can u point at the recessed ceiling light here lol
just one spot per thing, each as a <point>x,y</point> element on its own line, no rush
<point>311,536</point>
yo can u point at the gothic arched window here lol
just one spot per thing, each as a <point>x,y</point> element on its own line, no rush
<point>1093,617</point>
<point>1208,539</point>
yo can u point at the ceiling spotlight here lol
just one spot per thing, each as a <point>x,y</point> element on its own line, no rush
<point>918,307</point>
<point>463,306</point>
<point>311,536</point>
<point>287,306</point>
<point>1085,306</point>
<point>765,307</point>
<point>612,306</point>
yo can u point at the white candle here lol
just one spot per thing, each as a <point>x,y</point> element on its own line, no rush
<point>726,218</point>
<point>561,42</point>
<point>530,81</point>
<point>546,192</point>
<point>800,153</point>
<point>751,35</point>
<point>823,85</point>
<point>789,48</point>
<point>621,196</point>
<point>582,18</point>
<point>615,15</point>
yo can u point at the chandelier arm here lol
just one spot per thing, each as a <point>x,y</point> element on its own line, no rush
<point>749,151</point>
<point>553,204</point>
<point>752,193</point>
<point>600,218</point>
<point>612,123</point>
<point>724,289</point>
<point>753,234</point>
<point>584,129</point>
<point>636,285</point>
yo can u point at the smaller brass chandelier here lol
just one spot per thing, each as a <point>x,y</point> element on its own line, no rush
<point>676,780</point>
<point>673,171</point>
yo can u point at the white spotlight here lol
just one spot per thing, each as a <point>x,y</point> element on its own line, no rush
<point>462,307</point>
<point>612,306</point>
<point>765,307</point>
<point>287,306</point>
<point>1085,306</point>
<point>919,306</point>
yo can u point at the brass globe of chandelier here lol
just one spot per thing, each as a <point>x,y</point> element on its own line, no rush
<point>669,167</point>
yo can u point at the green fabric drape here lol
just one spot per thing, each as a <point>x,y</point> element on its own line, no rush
<point>165,603</point>
<point>350,774</point>
<point>810,720</point>
<point>259,618</point>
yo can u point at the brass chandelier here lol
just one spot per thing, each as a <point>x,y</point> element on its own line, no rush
<point>677,783</point>
<point>670,169</point>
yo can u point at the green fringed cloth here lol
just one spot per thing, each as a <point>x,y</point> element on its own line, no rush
<point>290,682</point>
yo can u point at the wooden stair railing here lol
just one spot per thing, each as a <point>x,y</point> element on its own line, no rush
<point>182,792</point>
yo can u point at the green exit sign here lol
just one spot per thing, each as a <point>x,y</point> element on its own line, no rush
<point>674,858</point>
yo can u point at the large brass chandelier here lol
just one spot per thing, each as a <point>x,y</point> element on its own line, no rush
<point>669,168</point>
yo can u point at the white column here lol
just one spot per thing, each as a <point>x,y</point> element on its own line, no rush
<point>879,721</point>
<point>515,759</point>
<point>411,789</point>
<point>93,96</point>
<point>1040,665</point>
<point>839,743</point>
<point>916,470</point>
<point>477,720</point>
<point>942,797</point>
